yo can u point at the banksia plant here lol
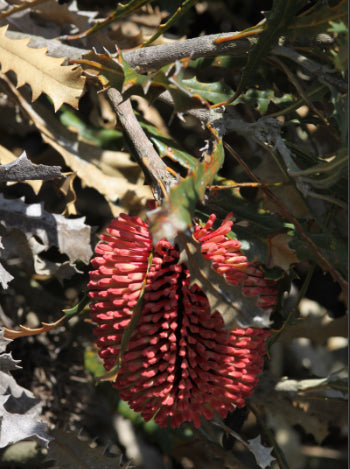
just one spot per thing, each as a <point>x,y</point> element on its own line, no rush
<point>181,363</point>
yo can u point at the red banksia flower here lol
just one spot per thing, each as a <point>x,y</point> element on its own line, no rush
<point>181,364</point>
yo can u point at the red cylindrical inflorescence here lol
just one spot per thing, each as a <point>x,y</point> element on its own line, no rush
<point>181,363</point>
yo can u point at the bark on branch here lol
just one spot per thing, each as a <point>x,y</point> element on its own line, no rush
<point>148,158</point>
<point>153,57</point>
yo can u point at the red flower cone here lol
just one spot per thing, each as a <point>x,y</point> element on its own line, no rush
<point>181,364</point>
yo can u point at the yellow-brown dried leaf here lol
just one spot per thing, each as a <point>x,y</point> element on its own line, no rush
<point>44,74</point>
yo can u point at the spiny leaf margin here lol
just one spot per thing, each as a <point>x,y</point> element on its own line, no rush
<point>63,84</point>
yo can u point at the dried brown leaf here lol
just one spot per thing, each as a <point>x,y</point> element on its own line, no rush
<point>67,189</point>
<point>53,12</point>
<point>280,254</point>
<point>44,74</point>
<point>79,155</point>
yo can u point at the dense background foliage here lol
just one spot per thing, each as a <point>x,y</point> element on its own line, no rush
<point>279,101</point>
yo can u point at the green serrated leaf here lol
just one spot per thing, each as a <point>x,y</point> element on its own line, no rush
<point>166,147</point>
<point>113,70</point>
<point>169,77</point>
<point>103,66</point>
<point>236,309</point>
<point>183,97</point>
<point>103,138</point>
<point>215,92</point>
<point>176,213</point>
<point>261,99</point>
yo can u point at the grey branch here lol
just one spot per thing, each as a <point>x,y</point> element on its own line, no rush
<point>23,169</point>
<point>204,46</point>
<point>150,58</point>
<point>323,73</point>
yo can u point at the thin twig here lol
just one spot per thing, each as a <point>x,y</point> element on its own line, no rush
<point>17,8</point>
<point>148,158</point>
<point>322,73</point>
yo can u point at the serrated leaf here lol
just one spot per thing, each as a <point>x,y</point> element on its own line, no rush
<point>16,427</point>
<point>7,363</point>
<point>236,309</point>
<point>113,70</point>
<point>215,92</point>
<point>262,98</point>
<point>166,147</point>
<point>3,341</point>
<point>44,74</point>
<point>261,453</point>
<point>175,215</point>
<point>78,154</point>
<point>280,254</point>
<point>109,71</point>
<point>71,236</point>
<point>27,331</point>
<point>19,409</point>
